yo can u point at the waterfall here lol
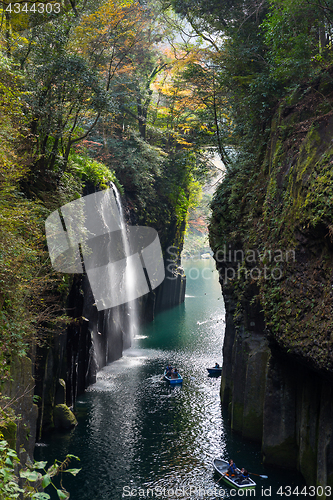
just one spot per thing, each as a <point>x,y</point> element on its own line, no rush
<point>116,326</point>
<point>118,265</point>
<point>130,278</point>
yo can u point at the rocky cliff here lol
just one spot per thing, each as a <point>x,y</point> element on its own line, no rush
<point>271,233</point>
<point>275,400</point>
<point>20,432</point>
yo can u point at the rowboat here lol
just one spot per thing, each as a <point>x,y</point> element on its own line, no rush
<point>221,467</point>
<point>215,371</point>
<point>173,381</point>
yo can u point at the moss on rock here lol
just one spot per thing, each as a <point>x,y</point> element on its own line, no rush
<point>9,431</point>
<point>63,417</point>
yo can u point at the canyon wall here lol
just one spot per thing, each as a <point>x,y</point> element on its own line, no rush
<point>275,400</point>
<point>271,233</point>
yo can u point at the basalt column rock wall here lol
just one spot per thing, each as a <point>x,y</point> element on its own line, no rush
<point>21,433</point>
<point>273,399</point>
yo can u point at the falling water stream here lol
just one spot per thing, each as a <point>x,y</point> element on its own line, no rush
<point>135,433</point>
<point>117,325</point>
<point>130,278</point>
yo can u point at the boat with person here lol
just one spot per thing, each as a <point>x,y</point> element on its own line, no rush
<point>216,371</point>
<point>236,481</point>
<point>173,380</point>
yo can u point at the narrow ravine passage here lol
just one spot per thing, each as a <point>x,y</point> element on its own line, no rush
<point>135,432</point>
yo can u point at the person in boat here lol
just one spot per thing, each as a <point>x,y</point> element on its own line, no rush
<point>168,370</point>
<point>244,473</point>
<point>244,476</point>
<point>232,469</point>
<point>217,365</point>
<point>175,373</point>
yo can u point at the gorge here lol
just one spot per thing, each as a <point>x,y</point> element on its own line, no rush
<point>139,98</point>
<point>136,433</point>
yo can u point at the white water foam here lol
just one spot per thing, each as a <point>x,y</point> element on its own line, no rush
<point>209,320</point>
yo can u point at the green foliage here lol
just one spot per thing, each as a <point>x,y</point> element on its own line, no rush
<point>89,170</point>
<point>30,294</point>
<point>136,164</point>
<point>221,17</point>
<point>62,94</point>
<point>21,239</point>
<point>32,478</point>
<point>291,33</point>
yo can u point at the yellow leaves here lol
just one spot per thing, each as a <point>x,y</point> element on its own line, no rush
<point>106,37</point>
<point>110,22</point>
<point>203,127</point>
<point>181,141</point>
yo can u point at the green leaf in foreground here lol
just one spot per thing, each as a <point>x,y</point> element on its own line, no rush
<point>46,480</point>
<point>40,465</point>
<point>41,496</point>
<point>63,494</point>
<point>29,475</point>
<point>73,471</point>
<point>73,456</point>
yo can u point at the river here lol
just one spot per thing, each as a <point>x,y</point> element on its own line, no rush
<point>137,436</point>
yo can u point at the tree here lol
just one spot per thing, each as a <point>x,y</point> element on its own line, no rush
<point>69,63</point>
<point>298,34</point>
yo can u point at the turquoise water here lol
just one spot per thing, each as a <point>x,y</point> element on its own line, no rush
<point>137,436</point>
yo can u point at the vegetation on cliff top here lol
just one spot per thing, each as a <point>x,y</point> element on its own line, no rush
<point>273,62</point>
<point>277,191</point>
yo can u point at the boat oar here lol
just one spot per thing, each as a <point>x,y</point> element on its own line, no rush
<point>222,475</point>
<point>260,475</point>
